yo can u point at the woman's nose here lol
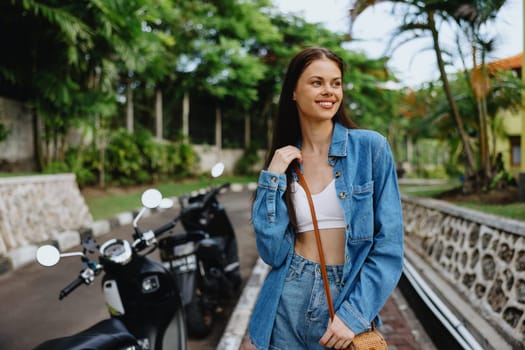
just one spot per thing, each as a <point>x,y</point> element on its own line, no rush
<point>327,91</point>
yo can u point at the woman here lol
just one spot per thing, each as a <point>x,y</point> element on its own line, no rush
<point>351,175</point>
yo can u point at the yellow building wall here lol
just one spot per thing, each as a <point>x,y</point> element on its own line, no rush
<point>510,126</point>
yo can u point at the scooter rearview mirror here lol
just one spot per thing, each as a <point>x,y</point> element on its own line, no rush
<point>47,255</point>
<point>217,169</point>
<point>151,198</point>
<point>166,203</point>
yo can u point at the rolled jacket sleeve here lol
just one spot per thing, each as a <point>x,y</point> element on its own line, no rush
<point>270,219</point>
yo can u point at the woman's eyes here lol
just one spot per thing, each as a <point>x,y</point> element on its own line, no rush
<point>319,83</point>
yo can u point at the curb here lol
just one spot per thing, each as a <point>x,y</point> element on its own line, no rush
<point>239,319</point>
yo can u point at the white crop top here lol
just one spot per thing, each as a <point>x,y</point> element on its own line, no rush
<point>327,208</point>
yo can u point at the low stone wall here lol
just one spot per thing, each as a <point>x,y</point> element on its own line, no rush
<point>35,209</point>
<point>481,255</point>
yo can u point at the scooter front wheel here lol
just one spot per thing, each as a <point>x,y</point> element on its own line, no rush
<point>199,317</point>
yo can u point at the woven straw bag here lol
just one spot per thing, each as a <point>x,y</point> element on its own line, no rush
<point>369,340</point>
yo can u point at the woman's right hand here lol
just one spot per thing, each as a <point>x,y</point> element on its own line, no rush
<point>283,157</point>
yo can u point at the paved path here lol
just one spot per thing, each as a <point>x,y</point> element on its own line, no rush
<point>31,313</point>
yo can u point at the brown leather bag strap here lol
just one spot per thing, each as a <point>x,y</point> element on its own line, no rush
<point>302,181</point>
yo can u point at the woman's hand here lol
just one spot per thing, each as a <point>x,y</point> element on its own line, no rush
<point>337,335</point>
<point>283,157</point>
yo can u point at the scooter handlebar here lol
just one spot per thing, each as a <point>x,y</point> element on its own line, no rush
<point>157,232</point>
<point>71,287</point>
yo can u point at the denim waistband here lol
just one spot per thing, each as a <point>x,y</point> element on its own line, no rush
<point>302,264</point>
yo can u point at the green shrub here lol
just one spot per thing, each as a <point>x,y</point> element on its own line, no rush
<point>79,162</point>
<point>4,132</point>
<point>130,159</point>
<point>245,164</point>
<point>138,158</point>
<point>124,162</point>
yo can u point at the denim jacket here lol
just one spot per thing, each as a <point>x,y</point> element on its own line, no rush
<point>366,184</point>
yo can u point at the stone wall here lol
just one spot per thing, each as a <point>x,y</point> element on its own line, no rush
<point>35,209</point>
<point>481,255</point>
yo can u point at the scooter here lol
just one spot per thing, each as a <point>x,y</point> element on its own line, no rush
<point>205,262</point>
<point>143,300</point>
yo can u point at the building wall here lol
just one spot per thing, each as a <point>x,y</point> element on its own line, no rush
<point>510,127</point>
<point>16,152</point>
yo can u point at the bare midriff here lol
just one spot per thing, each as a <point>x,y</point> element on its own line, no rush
<point>333,241</point>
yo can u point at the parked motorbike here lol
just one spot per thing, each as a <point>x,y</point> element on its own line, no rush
<point>143,300</point>
<point>205,261</point>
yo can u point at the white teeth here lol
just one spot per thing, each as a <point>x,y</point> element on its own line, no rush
<point>326,104</point>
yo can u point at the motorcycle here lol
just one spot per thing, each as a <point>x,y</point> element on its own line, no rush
<point>143,300</point>
<point>205,262</point>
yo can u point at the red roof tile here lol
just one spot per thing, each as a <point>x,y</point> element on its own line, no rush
<point>513,62</point>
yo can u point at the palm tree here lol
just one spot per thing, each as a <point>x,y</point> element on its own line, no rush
<point>422,18</point>
<point>471,18</point>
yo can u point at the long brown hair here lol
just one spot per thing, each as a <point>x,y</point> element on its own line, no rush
<point>286,129</point>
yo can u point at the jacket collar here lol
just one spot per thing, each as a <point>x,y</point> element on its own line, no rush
<point>339,140</point>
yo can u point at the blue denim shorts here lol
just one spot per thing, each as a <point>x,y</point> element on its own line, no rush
<point>302,315</point>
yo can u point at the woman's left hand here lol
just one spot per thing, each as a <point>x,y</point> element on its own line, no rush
<point>337,335</point>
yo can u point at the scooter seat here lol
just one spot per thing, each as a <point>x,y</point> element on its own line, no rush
<point>110,334</point>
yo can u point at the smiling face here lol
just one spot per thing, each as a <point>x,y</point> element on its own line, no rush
<point>319,90</point>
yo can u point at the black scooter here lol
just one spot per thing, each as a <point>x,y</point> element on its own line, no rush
<point>141,295</point>
<point>205,261</point>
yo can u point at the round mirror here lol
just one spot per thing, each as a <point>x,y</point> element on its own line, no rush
<point>47,255</point>
<point>151,198</point>
<point>166,203</point>
<point>217,169</point>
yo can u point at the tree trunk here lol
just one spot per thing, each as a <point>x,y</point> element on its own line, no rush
<point>483,141</point>
<point>483,117</point>
<point>218,128</point>
<point>186,115</point>
<point>158,114</point>
<point>37,139</point>
<point>247,130</point>
<point>129,107</point>
<point>100,145</point>
<point>469,159</point>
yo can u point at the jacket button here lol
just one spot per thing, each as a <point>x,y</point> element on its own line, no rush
<point>342,195</point>
<point>347,257</point>
<point>273,179</point>
<point>337,173</point>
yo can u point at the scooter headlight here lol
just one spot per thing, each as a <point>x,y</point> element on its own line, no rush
<point>150,284</point>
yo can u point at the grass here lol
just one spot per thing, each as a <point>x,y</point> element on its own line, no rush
<point>107,204</point>
<point>427,190</point>
<point>512,209</point>
<point>3,174</point>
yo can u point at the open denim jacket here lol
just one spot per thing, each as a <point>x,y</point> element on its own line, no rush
<point>366,184</point>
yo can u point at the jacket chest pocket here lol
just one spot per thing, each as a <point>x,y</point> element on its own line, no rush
<point>362,212</point>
